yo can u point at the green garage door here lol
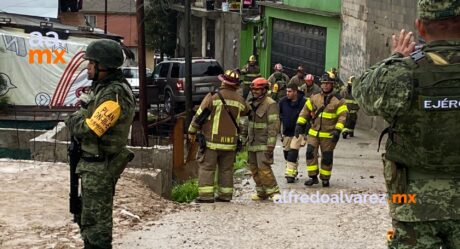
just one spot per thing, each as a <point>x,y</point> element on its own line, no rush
<point>295,44</point>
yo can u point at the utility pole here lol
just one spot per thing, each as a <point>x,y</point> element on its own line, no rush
<point>188,66</point>
<point>105,17</point>
<point>141,66</point>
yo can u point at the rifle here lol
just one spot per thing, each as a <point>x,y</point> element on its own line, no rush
<point>74,158</point>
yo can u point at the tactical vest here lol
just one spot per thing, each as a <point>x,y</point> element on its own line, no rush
<point>427,137</point>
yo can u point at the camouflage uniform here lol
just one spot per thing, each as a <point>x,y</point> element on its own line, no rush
<point>101,165</point>
<point>422,152</point>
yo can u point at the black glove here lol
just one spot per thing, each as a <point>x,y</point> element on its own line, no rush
<point>299,129</point>
<point>335,136</point>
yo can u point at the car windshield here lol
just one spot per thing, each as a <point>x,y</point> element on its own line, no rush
<point>211,68</point>
<point>133,72</point>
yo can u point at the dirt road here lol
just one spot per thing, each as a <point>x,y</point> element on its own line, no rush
<point>34,210</point>
<point>316,224</point>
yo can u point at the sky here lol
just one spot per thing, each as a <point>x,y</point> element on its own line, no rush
<point>43,8</point>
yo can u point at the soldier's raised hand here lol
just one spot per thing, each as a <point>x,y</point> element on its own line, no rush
<point>404,44</point>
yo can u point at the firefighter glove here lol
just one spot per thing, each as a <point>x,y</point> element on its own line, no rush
<point>335,136</point>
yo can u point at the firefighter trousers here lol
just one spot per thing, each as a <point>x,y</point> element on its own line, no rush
<point>291,147</point>
<point>351,122</point>
<point>208,162</point>
<point>327,154</point>
<point>260,165</point>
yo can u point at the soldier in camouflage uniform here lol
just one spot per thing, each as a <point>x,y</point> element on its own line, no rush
<point>418,94</point>
<point>102,127</point>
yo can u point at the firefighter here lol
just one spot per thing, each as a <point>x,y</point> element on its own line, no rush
<point>217,122</point>
<point>310,88</point>
<point>263,128</point>
<point>338,83</point>
<point>353,109</point>
<point>290,107</point>
<point>298,79</point>
<point>323,118</point>
<point>278,81</point>
<point>250,71</point>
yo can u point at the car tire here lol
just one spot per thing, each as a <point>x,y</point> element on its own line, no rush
<point>169,103</point>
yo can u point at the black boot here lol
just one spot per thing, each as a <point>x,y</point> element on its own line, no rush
<point>285,152</point>
<point>311,181</point>
<point>344,135</point>
<point>326,183</point>
<point>290,179</point>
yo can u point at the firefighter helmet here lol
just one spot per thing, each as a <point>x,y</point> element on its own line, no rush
<point>326,78</point>
<point>278,67</point>
<point>300,69</point>
<point>230,77</point>
<point>259,83</point>
<point>309,78</point>
<point>351,79</point>
<point>105,52</point>
<point>252,58</point>
<point>331,74</point>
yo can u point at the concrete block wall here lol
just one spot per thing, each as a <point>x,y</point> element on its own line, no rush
<point>154,163</point>
<point>367,28</point>
<point>18,138</point>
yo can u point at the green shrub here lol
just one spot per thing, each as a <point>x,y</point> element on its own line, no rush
<point>186,192</point>
<point>241,160</point>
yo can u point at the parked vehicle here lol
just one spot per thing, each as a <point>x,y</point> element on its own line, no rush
<point>167,82</point>
<point>132,76</point>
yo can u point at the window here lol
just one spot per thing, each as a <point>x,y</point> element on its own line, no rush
<point>200,69</point>
<point>175,70</point>
<point>164,70</point>
<point>90,20</point>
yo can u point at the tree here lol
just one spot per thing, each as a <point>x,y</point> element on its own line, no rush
<point>160,27</point>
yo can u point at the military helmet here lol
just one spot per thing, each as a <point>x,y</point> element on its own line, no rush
<point>230,77</point>
<point>326,78</point>
<point>105,52</point>
<point>351,79</point>
<point>438,9</point>
<point>252,58</point>
<point>259,83</point>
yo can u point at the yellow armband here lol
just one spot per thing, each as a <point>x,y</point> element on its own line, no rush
<point>104,117</point>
